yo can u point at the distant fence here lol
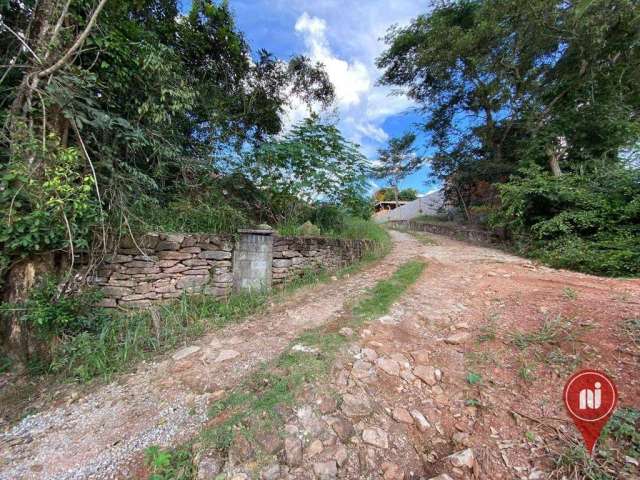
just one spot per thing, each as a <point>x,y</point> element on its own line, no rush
<point>455,231</point>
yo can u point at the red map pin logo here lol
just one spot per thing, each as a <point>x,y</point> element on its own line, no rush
<point>590,397</point>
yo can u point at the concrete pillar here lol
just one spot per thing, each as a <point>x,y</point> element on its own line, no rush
<point>252,259</point>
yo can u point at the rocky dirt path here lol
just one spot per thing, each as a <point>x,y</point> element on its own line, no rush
<point>165,402</point>
<point>463,379</point>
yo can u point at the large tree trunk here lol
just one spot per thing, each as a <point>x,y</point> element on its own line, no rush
<point>46,57</point>
<point>554,163</point>
<point>19,281</point>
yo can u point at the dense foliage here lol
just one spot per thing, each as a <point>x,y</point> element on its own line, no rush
<point>507,86</point>
<point>589,222</point>
<point>389,194</point>
<point>122,116</point>
<point>156,120</point>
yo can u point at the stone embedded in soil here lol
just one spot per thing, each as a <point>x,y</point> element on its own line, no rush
<point>293,451</point>
<point>346,331</point>
<point>421,421</point>
<point>185,352</point>
<point>369,354</point>
<point>272,472</point>
<point>402,415</point>
<point>361,369</point>
<point>464,458</point>
<point>326,470</point>
<point>270,442</point>
<point>391,367</point>
<point>442,476</point>
<point>407,376</point>
<point>375,436</point>
<point>225,355</point>
<point>326,404</point>
<point>426,373</point>
<point>314,448</point>
<point>457,338</point>
<point>461,438</point>
<point>392,471</point>
<point>239,476</point>
<point>240,450</point>
<point>421,357</point>
<point>354,406</point>
<point>341,455</point>
<point>401,359</point>
<point>208,467</point>
<point>343,428</point>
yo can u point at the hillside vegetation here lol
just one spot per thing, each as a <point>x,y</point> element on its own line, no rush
<point>125,117</point>
<point>531,110</point>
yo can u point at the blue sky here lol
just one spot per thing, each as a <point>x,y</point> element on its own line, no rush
<point>345,35</point>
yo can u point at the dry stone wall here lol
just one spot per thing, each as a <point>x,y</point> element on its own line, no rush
<point>292,256</point>
<point>160,267</point>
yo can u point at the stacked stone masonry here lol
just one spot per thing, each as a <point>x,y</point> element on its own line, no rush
<point>160,267</point>
<point>292,256</point>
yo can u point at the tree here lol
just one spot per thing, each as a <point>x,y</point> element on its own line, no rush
<point>397,160</point>
<point>505,83</point>
<point>103,103</point>
<point>388,194</point>
<point>311,162</point>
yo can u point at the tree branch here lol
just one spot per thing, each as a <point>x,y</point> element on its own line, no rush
<point>79,41</point>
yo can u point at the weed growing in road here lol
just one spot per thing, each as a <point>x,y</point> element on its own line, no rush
<point>386,292</point>
<point>488,331</point>
<point>569,293</point>
<point>165,465</point>
<point>526,371</point>
<point>631,330</point>
<point>550,332</point>
<point>474,378</point>
<point>620,440</point>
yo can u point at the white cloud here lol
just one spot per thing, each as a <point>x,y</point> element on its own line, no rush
<point>351,80</point>
<point>362,105</point>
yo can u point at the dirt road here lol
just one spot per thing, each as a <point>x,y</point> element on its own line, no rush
<point>462,317</point>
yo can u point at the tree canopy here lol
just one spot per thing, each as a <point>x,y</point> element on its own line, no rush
<point>106,103</point>
<point>397,160</point>
<point>505,83</point>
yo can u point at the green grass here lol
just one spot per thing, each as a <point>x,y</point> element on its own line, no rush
<point>386,292</point>
<point>254,405</point>
<point>488,331</point>
<point>5,363</point>
<point>126,338</point>
<point>474,378</point>
<point>620,438</point>
<point>550,332</point>
<point>352,228</point>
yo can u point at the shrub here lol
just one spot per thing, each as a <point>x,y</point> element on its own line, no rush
<point>191,216</point>
<point>52,313</point>
<point>587,221</point>
<point>329,218</point>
